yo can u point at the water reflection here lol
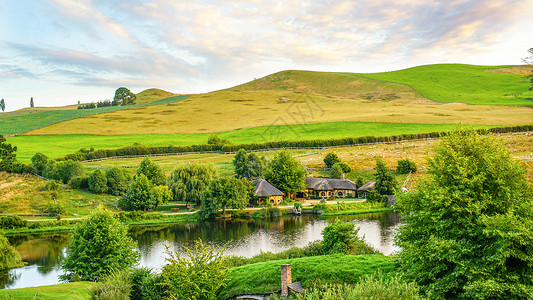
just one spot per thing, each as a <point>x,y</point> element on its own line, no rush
<point>246,237</point>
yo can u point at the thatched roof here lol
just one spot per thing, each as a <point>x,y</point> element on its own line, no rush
<point>328,184</point>
<point>369,186</point>
<point>263,188</point>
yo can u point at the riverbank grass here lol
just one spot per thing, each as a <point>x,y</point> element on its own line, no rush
<point>71,290</point>
<point>339,268</point>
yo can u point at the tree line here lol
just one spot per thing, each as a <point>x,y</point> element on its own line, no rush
<point>123,96</point>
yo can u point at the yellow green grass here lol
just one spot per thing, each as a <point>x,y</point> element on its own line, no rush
<point>56,146</point>
<point>465,83</point>
<point>73,290</point>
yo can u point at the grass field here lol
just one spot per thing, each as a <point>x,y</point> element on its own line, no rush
<point>265,277</point>
<point>73,290</point>
<point>464,83</point>
<point>59,145</point>
<point>29,119</point>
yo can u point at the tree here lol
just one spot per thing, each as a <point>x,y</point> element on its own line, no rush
<point>225,193</point>
<point>118,180</point>
<point>98,182</point>
<point>247,166</point>
<point>216,140</point>
<point>140,195</point>
<point>199,272</point>
<point>153,171</point>
<point>406,166</point>
<point>341,237</point>
<point>331,159</point>
<point>3,104</point>
<point>286,173</point>
<point>8,156</point>
<point>124,96</point>
<point>162,195</point>
<point>189,181</point>
<point>9,257</point>
<point>239,162</point>
<point>529,61</point>
<point>255,166</point>
<point>31,102</point>
<point>39,162</point>
<point>386,183</point>
<point>99,246</point>
<point>336,171</point>
<point>68,169</point>
<point>469,227</point>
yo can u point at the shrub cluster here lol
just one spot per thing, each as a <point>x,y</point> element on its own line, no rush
<point>136,149</point>
<point>12,222</point>
<point>135,216</point>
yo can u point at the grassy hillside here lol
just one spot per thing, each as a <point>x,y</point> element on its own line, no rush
<point>60,145</point>
<point>24,120</point>
<point>464,83</point>
<point>72,290</point>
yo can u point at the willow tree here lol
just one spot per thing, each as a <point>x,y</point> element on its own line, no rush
<point>469,225</point>
<point>187,182</point>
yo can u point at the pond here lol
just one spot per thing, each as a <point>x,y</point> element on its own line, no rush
<point>244,237</point>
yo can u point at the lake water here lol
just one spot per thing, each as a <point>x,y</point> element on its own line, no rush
<point>246,238</point>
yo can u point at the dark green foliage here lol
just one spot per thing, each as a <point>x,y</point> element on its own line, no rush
<point>336,171</point>
<point>99,246</point>
<point>406,166</point>
<point>2,104</point>
<point>31,102</point>
<point>123,96</point>
<point>137,215</point>
<point>247,166</point>
<point>153,172</point>
<point>267,213</point>
<point>39,162</point>
<point>331,159</point>
<point>189,181</point>
<point>9,257</point>
<point>199,272</point>
<point>12,222</point>
<point>341,237</point>
<point>145,285</point>
<point>386,183</point>
<point>225,193</point>
<point>374,196</point>
<point>98,182</point>
<point>118,180</point>
<point>140,195</point>
<point>286,173</point>
<point>68,169</point>
<point>345,167</point>
<point>7,155</point>
<point>162,195</point>
<point>115,286</point>
<point>51,185</point>
<point>55,209</point>
<point>216,140</point>
<point>468,229</point>
<point>79,182</point>
<point>370,287</point>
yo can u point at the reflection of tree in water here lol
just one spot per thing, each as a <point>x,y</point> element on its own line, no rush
<point>7,279</point>
<point>42,250</point>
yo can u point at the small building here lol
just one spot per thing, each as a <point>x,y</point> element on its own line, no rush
<point>264,191</point>
<point>369,186</point>
<point>328,187</point>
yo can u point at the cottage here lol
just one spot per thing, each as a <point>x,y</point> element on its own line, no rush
<point>369,186</point>
<point>327,187</point>
<point>264,191</point>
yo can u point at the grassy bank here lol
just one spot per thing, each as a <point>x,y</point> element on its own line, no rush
<point>265,277</point>
<point>72,290</point>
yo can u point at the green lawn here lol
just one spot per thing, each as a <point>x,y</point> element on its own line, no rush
<point>74,290</point>
<point>22,123</point>
<point>56,146</point>
<point>462,83</point>
<point>265,277</point>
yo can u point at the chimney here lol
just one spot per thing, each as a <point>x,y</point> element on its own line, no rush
<point>342,176</point>
<point>286,279</point>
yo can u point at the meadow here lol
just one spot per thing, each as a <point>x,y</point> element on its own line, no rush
<point>55,146</point>
<point>480,85</point>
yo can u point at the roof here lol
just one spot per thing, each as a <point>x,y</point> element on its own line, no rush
<point>263,188</point>
<point>329,184</point>
<point>371,185</point>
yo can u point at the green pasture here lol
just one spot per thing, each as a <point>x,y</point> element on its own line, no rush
<point>55,146</point>
<point>21,123</point>
<point>463,83</point>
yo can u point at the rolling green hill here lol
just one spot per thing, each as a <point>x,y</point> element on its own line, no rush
<point>470,84</point>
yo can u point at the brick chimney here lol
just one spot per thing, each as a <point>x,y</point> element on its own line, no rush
<point>342,176</point>
<point>286,279</point>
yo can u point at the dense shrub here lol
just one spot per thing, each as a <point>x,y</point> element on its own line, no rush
<point>12,222</point>
<point>68,169</point>
<point>115,286</point>
<point>267,213</point>
<point>336,171</point>
<point>98,182</point>
<point>9,257</point>
<point>135,216</point>
<point>118,180</point>
<point>79,182</point>
<point>406,166</point>
<point>374,196</point>
<point>345,167</point>
<point>341,237</point>
<point>331,159</point>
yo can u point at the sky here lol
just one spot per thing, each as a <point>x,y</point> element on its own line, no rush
<point>60,52</point>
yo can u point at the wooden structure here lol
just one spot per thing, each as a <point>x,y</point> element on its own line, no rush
<point>328,187</point>
<point>264,191</point>
<point>369,186</point>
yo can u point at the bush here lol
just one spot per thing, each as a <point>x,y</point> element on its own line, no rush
<point>9,257</point>
<point>135,216</point>
<point>115,286</point>
<point>267,213</point>
<point>374,196</point>
<point>80,182</point>
<point>51,185</point>
<point>331,159</point>
<point>336,171</point>
<point>198,274</point>
<point>341,237</point>
<point>405,166</point>
<point>55,209</point>
<point>12,222</point>
<point>98,182</point>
